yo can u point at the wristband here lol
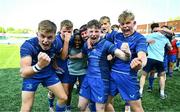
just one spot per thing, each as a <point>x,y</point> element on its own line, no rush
<point>36,68</point>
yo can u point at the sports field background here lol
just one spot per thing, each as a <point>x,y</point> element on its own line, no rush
<point>10,89</point>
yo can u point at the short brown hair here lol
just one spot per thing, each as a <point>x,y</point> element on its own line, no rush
<point>94,23</point>
<point>66,23</point>
<point>47,26</point>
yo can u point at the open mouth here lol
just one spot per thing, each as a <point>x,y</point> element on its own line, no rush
<point>93,38</point>
<point>45,46</point>
<point>103,30</point>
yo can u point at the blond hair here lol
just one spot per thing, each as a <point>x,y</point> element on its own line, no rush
<point>126,16</point>
<point>103,18</point>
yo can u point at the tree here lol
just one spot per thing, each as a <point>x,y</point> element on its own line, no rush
<point>2,30</point>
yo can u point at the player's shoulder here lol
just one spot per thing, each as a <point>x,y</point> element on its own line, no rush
<point>30,42</point>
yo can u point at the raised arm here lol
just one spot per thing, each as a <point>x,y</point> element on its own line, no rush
<point>26,70</point>
<point>64,51</point>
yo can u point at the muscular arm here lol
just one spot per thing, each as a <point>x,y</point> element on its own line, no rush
<point>26,70</point>
<point>64,51</point>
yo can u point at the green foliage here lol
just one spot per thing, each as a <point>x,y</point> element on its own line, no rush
<point>176,18</point>
<point>10,95</point>
<point>2,30</point>
<point>14,30</point>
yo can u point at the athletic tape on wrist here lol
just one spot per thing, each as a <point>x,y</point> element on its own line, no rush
<point>36,68</point>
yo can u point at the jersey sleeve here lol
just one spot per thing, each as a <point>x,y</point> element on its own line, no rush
<point>111,47</point>
<point>26,49</point>
<point>141,45</point>
<point>85,48</point>
<point>58,45</point>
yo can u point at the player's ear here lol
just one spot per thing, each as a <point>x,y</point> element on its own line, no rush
<point>134,22</point>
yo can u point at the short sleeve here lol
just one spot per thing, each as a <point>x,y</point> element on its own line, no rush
<point>26,49</point>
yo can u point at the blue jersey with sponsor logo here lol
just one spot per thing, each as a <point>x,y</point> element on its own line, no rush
<point>98,66</point>
<point>136,42</point>
<point>32,48</point>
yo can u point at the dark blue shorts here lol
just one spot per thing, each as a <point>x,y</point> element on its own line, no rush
<point>31,84</point>
<point>74,78</point>
<point>65,77</point>
<point>125,84</point>
<point>172,58</point>
<point>95,89</point>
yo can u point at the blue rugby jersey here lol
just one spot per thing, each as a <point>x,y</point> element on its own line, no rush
<point>110,36</point>
<point>32,48</point>
<point>63,63</point>
<point>137,42</point>
<point>98,66</point>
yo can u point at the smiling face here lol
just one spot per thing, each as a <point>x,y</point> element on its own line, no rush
<point>45,39</point>
<point>77,41</point>
<point>84,35</point>
<point>94,30</point>
<point>94,34</point>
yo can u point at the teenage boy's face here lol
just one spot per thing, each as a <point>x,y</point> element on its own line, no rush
<point>84,35</point>
<point>127,27</point>
<point>45,39</point>
<point>94,34</point>
<point>105,26</point>
<point>65,30</point>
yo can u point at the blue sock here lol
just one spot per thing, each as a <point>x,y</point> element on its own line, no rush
<point>60,107</point>
<point>151,81</point>
<point>127,104</point>
<point>92,106</point>
<point>68,107</point>
<point>50,101</point>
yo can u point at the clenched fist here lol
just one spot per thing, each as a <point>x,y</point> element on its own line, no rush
<point>136,64</point>
<point>43,60</point>
<point>67,36</point>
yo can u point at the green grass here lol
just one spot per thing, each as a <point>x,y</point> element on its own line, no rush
<point>9,56</point>
<point>10,89</point>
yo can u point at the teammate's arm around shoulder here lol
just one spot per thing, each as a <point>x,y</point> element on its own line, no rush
<point>79,55</point>
<point>124,52</point>
<point>27,70</point>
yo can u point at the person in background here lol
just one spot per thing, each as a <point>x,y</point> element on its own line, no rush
<point>65,37</point>
<point>156,57</point>
<point>76,66</point>
<point>115,27</point>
